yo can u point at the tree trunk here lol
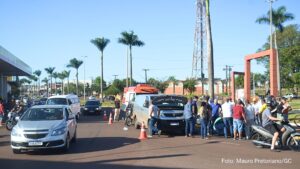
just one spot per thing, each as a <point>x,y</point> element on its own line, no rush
<point>101,85</point>
<point>55,86</point>
<point>173,87</point>
<point>68,84</point>
<point>210,58</point>
<point>77,92</point>
<point>130,50</point>
<point>127,69</point>
<point>50,84</point>
<point>62,87</point>
<point>278,62</point>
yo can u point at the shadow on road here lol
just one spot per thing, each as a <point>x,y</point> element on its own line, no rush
<point>4,143</point>
<point>33,164</point>
<point>86,145</point>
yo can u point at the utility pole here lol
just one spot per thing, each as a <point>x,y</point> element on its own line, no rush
<point>146,70</point>
<point>115,77</point>
<point>227,70</point>
<point>229,77</point>
<point>84,77</point>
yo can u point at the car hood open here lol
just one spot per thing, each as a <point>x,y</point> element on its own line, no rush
<point>157,100</point>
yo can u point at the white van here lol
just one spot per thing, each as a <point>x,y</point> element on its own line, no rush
<point>70,99</point>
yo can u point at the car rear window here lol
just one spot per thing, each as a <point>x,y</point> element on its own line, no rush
<point>92,103</point>
<point>57,101</point>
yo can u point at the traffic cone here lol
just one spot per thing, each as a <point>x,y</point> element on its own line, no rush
<point>104,116</point>
<point>143,134</point>
<point>110,119</point>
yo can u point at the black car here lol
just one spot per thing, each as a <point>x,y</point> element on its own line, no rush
<point>92,107</point>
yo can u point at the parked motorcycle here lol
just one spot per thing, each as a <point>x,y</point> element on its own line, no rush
<point>11,120</point>
<point>289,139</point>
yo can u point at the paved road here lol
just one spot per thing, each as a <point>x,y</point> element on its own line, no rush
<point>100,145</point>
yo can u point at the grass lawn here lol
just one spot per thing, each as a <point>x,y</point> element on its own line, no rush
<point>295,104</point>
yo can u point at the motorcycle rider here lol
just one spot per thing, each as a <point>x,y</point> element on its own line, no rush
<point>18,108</point>
<point>269,122</point>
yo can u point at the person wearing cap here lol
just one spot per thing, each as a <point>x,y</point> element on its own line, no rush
<point>18,108</point>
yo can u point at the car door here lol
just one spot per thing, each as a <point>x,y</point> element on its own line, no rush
<point>70,121</point>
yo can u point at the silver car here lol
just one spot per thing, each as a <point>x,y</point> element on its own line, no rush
<point>42,127</point>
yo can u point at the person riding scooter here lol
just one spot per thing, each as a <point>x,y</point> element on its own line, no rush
<point>268,121</point>
<point>18,108</point>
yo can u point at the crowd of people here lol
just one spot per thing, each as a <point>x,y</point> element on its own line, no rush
<point>238,117</point>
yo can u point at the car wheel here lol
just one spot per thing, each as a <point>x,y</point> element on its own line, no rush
<point>74,139</point>
<point>16,151</point>
<point>66,147</point>
<point>136,125</point>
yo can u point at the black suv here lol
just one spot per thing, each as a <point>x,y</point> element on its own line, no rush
<point>92,107</point>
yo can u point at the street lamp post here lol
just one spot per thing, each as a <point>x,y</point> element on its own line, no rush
<point>84,77</point>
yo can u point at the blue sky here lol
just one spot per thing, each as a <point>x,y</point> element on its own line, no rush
<point>47,33</point>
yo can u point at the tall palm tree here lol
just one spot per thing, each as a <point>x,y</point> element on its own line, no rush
<point>38,74</point>
<point>62,76</point>
<point>55,76</point>
<point>279,16</point>
<point>130,39</point>
<point>35,79</point>
<point>67,75</point>
<point>46,81</point>
<point>74,63</point>
<point>174,82</point>
<point>50,71</point>
<point>101,43</point>
<point>210,55</point>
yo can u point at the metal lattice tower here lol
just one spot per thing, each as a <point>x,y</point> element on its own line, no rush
<point>199,53</point>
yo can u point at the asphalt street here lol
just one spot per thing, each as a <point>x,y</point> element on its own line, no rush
<point>100,145</point>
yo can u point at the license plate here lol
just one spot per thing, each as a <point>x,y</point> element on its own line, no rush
<point>35,143</point>
<point>174,124</point>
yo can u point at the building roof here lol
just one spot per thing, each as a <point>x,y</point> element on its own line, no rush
<point>10,65</point>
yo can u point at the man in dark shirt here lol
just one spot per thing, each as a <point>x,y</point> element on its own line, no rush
<point>117,109</point>
<point>268,122</point>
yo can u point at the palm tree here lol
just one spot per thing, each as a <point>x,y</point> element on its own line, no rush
<point>74,63</point>
<point>50,71</point>
<point>130,39</point>
<point>46,81</point>
<point>67,75</point>
<point>55,76</point>
<point>101,43</point>
<point>279,16</point>
<point>189,84</point>
<point>38,74</point>
<point>174,82</point>
<point>210,55</point>
<point>35,79</point>
<point>62,75</point>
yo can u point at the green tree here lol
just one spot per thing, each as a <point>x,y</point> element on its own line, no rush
<point>96,84</point>
<point>74,63</point>
<point>101,43</point>
<point>50,71</point>
<point>55,76</point>
<point>119,84</point>
<point>112,90</point>
<point>38,74</point>
<point>62,76</point>
<point>67,75</point>
<point>46,81</point>
<point>159,84</point>
<point>289,54</point>
<point>174,81</point>
<point>190,85</point>
<point>130,39</point>
<point>279,16</point>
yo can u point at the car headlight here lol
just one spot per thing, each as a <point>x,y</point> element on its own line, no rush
<point>59,131</point>
<point>15,133</point>
<point>97,108</point>
<point>85,108</point>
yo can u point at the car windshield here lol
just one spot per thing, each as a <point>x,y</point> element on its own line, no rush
<point>92,103</point>
<point>57,101</point>
<point>40,114</point>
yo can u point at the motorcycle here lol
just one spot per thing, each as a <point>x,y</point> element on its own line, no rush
<point>11,120</point>
<point>289,139</point>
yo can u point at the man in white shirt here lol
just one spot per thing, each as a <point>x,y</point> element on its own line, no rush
<point>250,118</point>
<point>153,115</point>
<point>256,106</point>
<point>227,117</point>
